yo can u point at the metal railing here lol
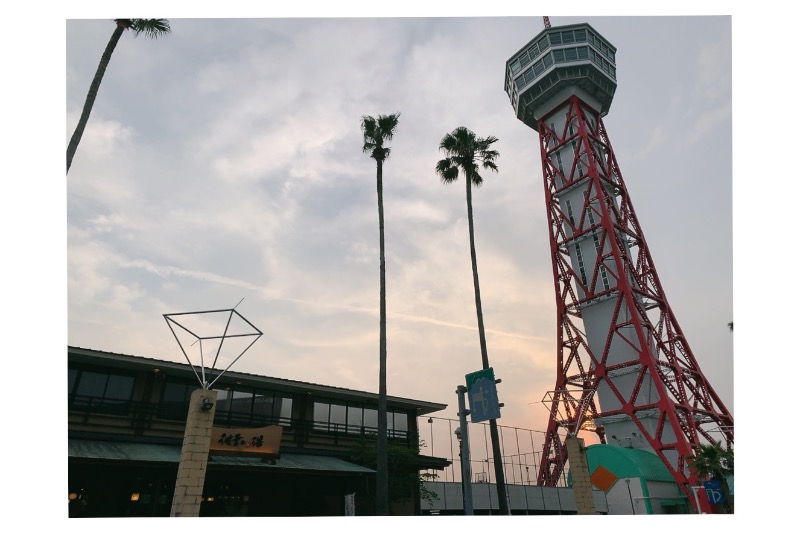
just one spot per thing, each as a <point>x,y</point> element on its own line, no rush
<point>97,410</point>
<point>521,451</point>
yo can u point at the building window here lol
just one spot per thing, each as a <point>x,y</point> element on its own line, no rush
<point>322,413</point>
<point>175,399</point>
<point>560,163</point>
<point>338,420</point>
<point>101,392</point>
<point>581,267</point>
<point>370,419</point>
<point>571,54</point>
<point>271,408</point>
<point>569,213</point>
<point>357,419</point>
<point>398,424</point>
<point>249,407</point>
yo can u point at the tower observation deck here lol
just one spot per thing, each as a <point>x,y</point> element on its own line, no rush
<point>624,368</point>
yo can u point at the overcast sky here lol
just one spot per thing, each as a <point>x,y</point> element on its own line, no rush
<point>222,164</point>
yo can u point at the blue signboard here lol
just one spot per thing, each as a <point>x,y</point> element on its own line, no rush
<point>482,395</point>
<point>713,490</point>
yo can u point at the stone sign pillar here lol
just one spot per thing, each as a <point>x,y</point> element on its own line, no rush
<point>194,454</point>
<point>579,469</point>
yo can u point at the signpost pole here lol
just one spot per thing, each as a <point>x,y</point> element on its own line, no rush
<point>463,443</point>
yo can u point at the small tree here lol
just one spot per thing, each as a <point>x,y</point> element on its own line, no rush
<point>713,462</point>
<point>405,479</point>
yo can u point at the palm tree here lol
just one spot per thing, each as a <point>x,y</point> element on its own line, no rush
<point>153,28</point>
<point>713,462</point>
<point>468,153</point>
<point>376,132</point>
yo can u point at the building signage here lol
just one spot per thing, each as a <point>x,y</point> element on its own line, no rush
<point>263,442</point>
<point>482,395</point>
<point>713,490</point>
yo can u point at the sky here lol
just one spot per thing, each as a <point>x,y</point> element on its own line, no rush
<point>222,166</point>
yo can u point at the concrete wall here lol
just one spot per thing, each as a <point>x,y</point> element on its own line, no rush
<point>522,498</point>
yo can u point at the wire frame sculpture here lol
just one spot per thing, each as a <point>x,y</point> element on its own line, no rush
<point>212,334</point>
<point>572,410</point>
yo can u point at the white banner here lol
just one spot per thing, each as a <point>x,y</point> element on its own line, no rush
<point>350,504</point>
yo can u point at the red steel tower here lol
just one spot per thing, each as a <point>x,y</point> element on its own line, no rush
<point>625,370</point>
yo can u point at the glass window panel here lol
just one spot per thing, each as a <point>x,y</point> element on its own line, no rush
<point>338,414</point>
<point>119,387</point>
<point>321,412</point>
<point>285,408</point>
<point>175,392</point>
<point>72,376</point>
<point>370,418</point>
<point>567,37</point>
<point>571,54</point>
<point>543,44</point>
<point>174,401</point>
<point>558,56</point>
<point>263,405</point>
<point>92,384</point>
<point>555,38</point>
<point>548,60</point>
<point>580,36</point>
<point>524,60</point>
<point>241,401</point>
<point>401,422</point>
<point>583,52</point>
<point>529,76</point>
<point>355,416</point>
<point>224,397</point>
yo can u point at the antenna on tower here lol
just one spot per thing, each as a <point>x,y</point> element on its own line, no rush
<point>546,22</point>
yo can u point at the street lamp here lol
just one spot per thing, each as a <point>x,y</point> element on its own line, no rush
<point>630,495</point>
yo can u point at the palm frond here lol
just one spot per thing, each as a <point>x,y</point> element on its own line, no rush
<point>376,131</point>
<point>447,171</point>
<point>469,152</point>
<point>152,28</point>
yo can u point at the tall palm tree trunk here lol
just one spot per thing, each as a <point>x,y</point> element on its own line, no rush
<point>493,432</point>
<point>382,475</point>
<point>92,94</point>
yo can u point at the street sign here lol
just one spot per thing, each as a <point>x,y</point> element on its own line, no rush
<point>713,490</point>
<point>482,395</point>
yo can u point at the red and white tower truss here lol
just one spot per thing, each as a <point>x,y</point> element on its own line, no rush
<point>619,344</point>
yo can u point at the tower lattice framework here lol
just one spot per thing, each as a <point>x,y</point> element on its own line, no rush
<point>638,357</point>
